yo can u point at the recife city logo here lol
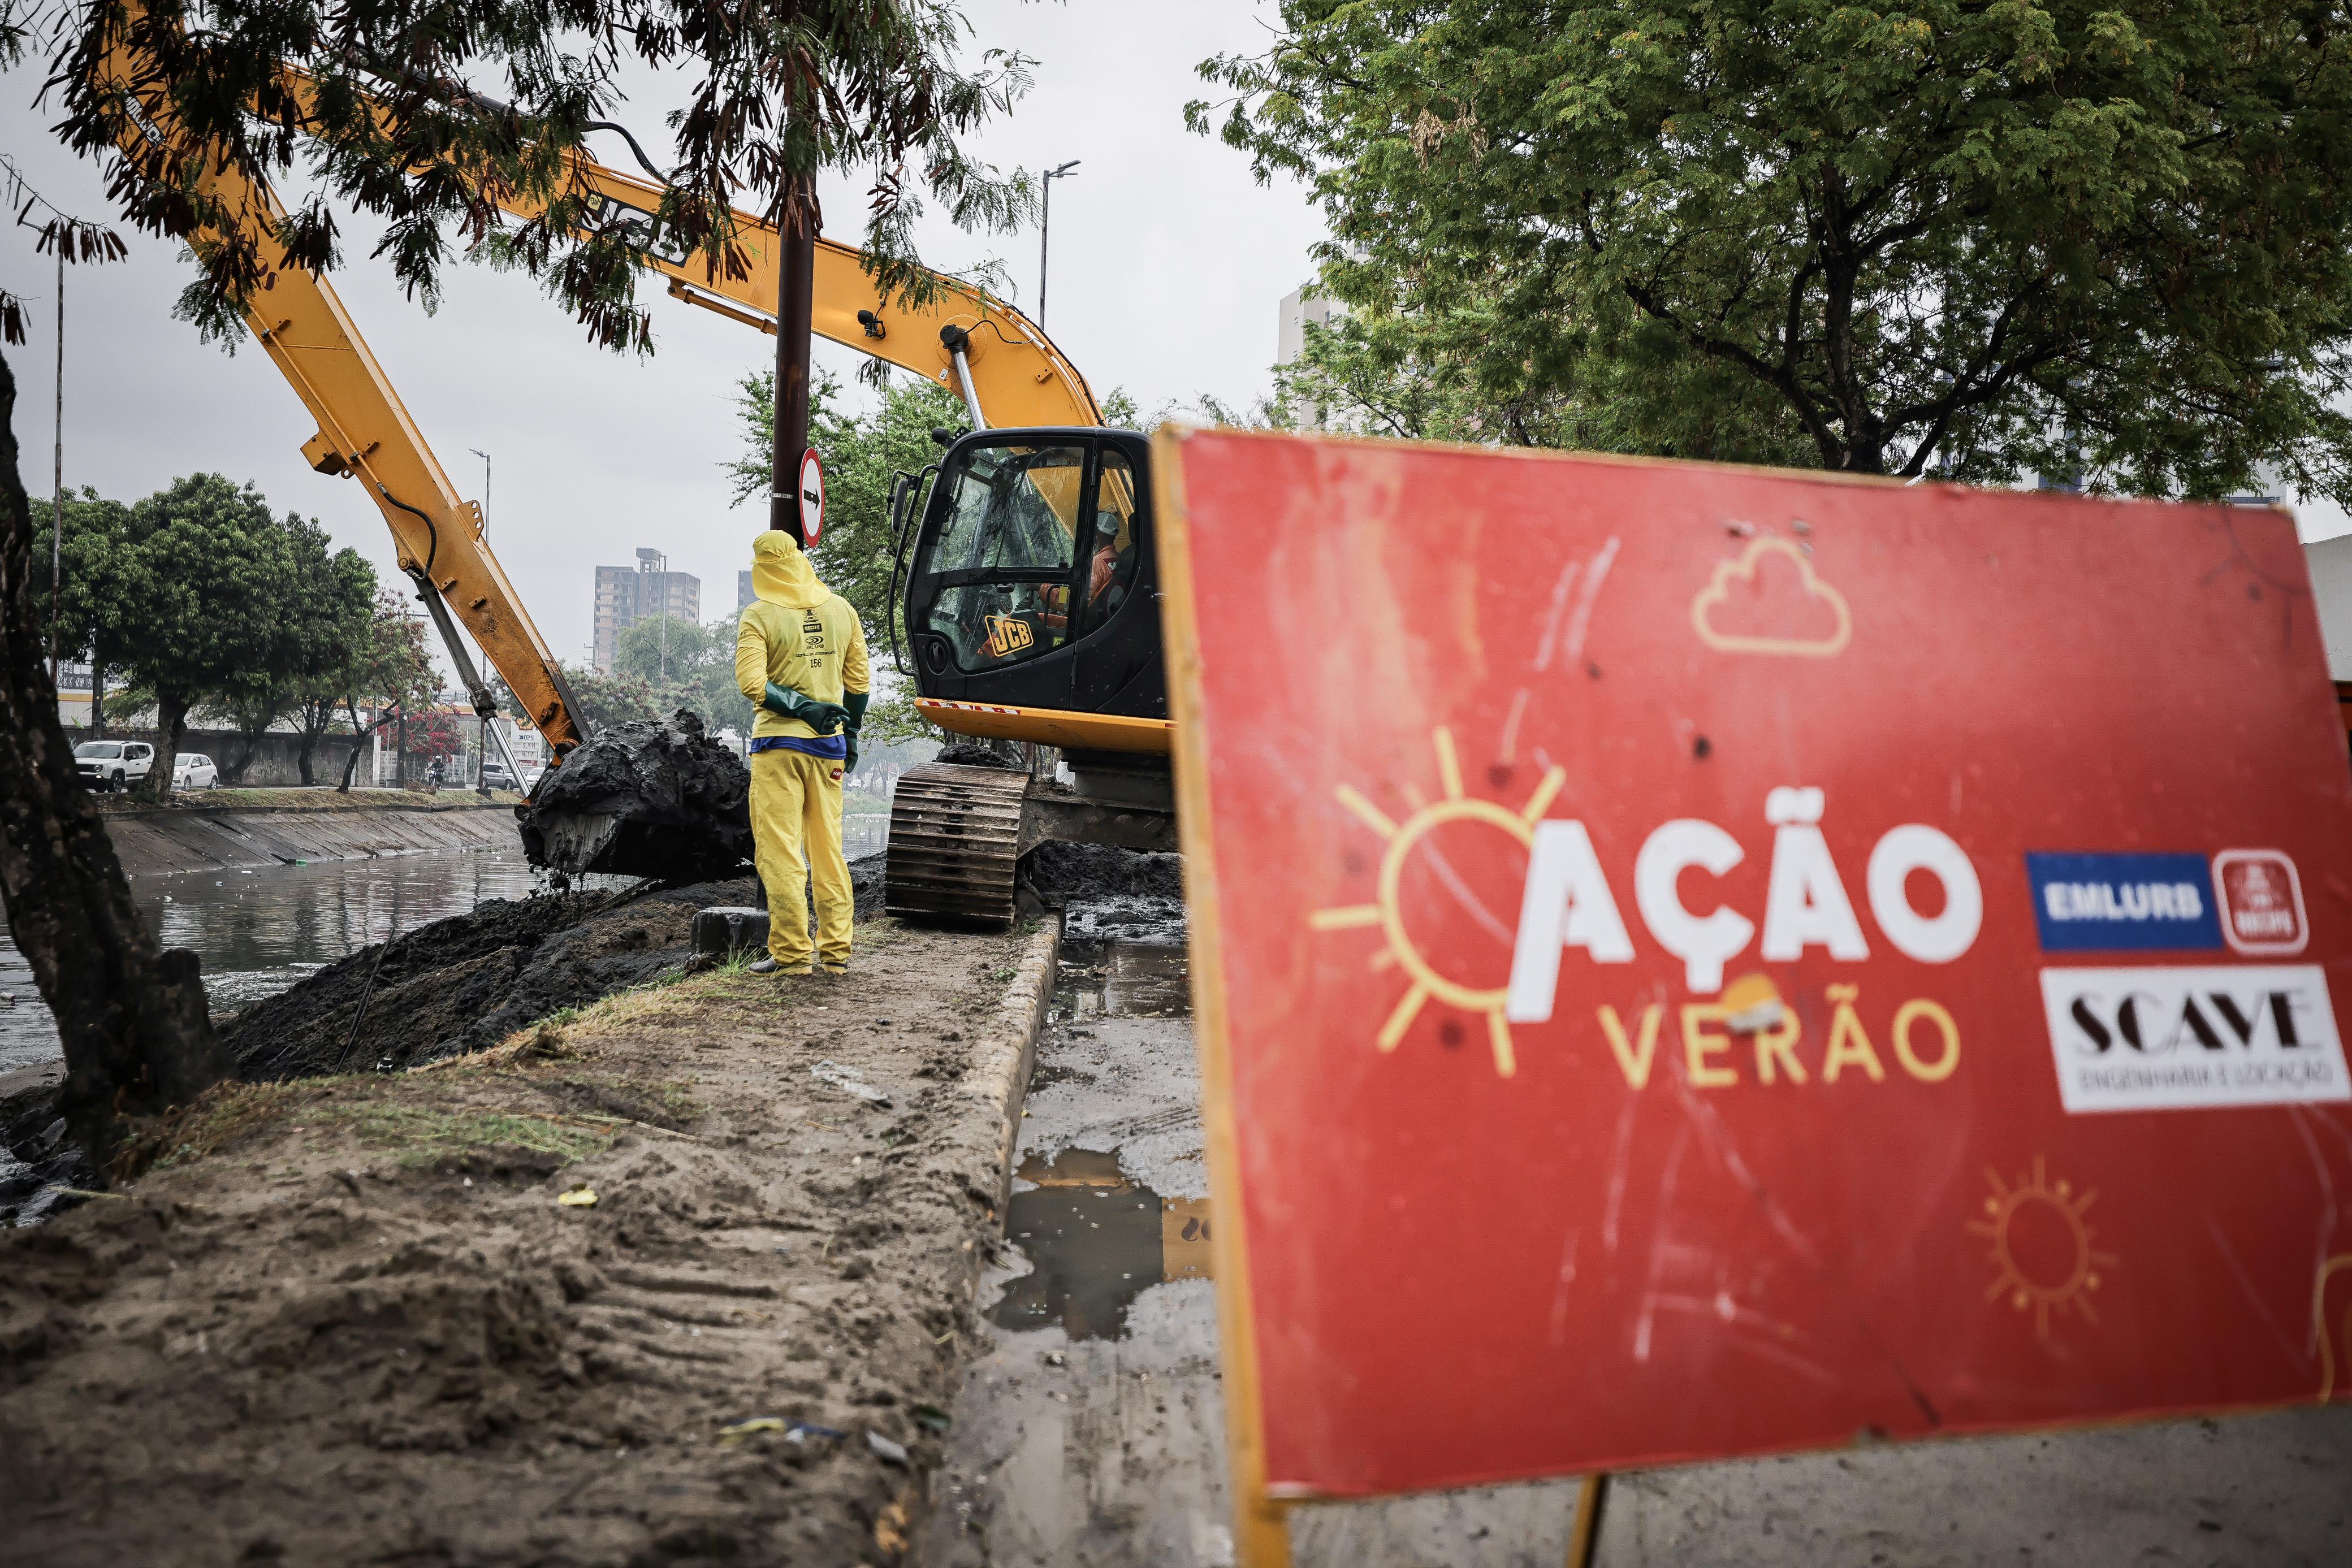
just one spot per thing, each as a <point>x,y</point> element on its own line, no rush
<point>2156,1037</point>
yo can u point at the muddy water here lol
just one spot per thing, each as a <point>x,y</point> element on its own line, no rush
<point>258,932</point>
<point>1091,1430</point>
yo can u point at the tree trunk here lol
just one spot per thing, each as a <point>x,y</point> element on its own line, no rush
<point>137,1037</point>
<point>97,694</point>
<point>249,747</point>
<point>351,763</point>
<point>171,730</point>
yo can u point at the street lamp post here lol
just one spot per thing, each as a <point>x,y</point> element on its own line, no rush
<point>485,487</point>
<point>1045,229</point>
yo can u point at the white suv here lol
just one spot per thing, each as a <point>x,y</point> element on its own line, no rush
<point>191,771</point>
<point>113,764</point>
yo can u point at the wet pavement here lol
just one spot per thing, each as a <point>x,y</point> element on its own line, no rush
<point>257,932</point>
<point>1091,1429</point>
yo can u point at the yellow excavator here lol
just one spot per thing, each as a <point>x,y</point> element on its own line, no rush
<point>1022,578</point>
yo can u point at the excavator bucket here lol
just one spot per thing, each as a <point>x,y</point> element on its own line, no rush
<point>651,797</point>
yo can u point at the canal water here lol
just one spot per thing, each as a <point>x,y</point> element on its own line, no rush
<point>257,932</point>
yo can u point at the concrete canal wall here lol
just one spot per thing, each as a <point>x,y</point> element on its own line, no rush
<point>202,838</point>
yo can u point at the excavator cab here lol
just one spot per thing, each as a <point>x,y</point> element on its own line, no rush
<point>1030,613</point>
<point>1029,587</point>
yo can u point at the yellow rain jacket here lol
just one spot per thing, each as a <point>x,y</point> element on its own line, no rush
<point>796,633</point>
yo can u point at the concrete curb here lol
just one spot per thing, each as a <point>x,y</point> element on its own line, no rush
<point>1000,1061</point>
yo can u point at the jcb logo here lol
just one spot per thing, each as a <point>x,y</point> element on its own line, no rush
<point>1007,635</point>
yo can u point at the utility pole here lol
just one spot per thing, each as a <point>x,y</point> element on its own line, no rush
<point>795,283</point>
<point>485,487</point>
<point>1046,230</point>
<point>58,494</point>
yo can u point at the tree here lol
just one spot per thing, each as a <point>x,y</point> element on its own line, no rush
<point>327,624</point>
<point>1994,239</point>
<point>427,119</point>
<point>203,584</point>
<point>684,666</point>
<point>392,671</point>
<point>607,700</point>
<point>132,1017</point>
<point>96,534</point>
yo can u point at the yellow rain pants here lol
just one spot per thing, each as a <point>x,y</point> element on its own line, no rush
<point>796,836</point>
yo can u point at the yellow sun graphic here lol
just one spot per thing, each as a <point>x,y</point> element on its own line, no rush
<point>2070,1289</point>
<point>1389,914</point>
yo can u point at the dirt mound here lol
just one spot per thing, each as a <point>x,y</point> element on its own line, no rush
<point>1130,895</point>
<point>651,797</point>
<point>351,1321</point>
<point>467,982</point>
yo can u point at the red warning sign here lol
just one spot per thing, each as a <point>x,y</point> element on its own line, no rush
<point>1696,962</point>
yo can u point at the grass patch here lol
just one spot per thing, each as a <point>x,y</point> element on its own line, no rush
<point>425,1134</point>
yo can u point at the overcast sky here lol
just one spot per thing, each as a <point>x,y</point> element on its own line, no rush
<point>1169,265</point>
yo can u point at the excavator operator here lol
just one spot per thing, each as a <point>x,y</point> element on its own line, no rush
<point>800,657</point>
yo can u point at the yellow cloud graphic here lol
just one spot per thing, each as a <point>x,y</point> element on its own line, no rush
<point>1718,590</point>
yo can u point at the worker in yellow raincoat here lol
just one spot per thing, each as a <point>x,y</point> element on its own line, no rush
<point>800,657</point>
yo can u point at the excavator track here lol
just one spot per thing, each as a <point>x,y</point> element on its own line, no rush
<point>955,840</point>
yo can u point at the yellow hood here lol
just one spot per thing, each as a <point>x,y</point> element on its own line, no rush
<point>782,575</point>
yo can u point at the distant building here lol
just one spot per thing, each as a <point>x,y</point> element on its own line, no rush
<point>1298,308</point>
<point>1300,311</point>
<point>742,591</point>
<point>625,596</point>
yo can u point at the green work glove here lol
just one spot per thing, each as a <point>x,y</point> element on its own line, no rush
<point>822,717</point>
<point>853,707</point>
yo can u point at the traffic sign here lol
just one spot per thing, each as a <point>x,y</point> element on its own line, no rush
<point>1696,962</point>
<point>812,496</point>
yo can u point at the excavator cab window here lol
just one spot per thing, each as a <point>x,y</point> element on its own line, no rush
<point>1112,550</point>
<point>998,562</point>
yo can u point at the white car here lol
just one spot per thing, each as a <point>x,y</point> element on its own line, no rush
<point>192,772</point>
<point>113,764</point>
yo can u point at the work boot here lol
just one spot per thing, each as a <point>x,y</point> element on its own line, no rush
<point>770,967</point>
<point>836,971</point>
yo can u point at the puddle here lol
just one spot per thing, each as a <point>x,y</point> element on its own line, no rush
<point>1123,980</point>
<point>1095,1240</point>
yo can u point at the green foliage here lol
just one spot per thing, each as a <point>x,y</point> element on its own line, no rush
<point>201,596</point>
<point>682,665</point>
<point>1987,239</point>
<point>323,626</point>
<point>98,534</point>
<point>607,700</point>
<point>397,121</point>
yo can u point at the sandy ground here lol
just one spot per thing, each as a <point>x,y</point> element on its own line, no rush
<point>1090,1429</point>
<point>352,1321</point>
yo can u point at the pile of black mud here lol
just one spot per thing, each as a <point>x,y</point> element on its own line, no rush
<point>973,754</point>
<point>650,798</point>
<point>1110,893</point>
<point>467,982</point>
